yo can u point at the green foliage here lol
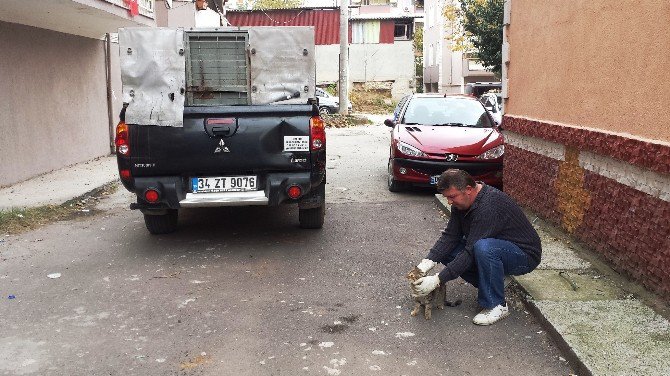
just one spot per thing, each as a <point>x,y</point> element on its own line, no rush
<point>418,40</point>
<point>478,28</point>
<point>277,4</point>
<point>332,89</point>
<point>418,59</point>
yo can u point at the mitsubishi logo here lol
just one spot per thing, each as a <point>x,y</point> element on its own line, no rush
<point>221,148</point>
<point>451,157</point>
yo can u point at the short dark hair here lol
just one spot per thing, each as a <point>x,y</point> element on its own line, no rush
<point>456,178</point>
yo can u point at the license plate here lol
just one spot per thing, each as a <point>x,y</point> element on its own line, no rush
<point>434,179</point>
<point>224,184</point>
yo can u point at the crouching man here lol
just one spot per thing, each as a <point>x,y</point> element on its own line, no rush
<point>487,237</point>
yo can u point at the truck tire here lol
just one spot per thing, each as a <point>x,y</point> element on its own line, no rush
<point>312,218</point>
<point>162,223</point>
<point>323,110</point>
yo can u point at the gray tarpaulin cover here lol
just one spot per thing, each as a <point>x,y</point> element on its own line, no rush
<point>153,75</point>
<point>153,71</point>
<point>282,64</point>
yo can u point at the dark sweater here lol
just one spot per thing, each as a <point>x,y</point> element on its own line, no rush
<point>493,214</point>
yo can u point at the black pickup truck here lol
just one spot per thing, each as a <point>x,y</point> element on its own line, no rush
<point>224,150</point>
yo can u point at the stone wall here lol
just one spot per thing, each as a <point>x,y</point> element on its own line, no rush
<point>611,191</point>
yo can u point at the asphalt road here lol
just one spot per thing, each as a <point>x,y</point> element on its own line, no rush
<point>245,291</point>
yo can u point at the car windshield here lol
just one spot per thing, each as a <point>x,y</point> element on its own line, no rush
<point>447,111</point>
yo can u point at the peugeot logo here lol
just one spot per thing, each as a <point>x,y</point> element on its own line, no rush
<point>451,157</point>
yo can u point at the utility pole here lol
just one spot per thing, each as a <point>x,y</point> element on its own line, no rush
<point>344,57</point>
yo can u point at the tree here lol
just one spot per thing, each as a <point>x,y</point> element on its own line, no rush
<point>418,58</point>
<point>277,4</point>
<point>478,28</point>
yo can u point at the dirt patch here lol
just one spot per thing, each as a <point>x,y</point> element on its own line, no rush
<point>337,328</point>
<point>344,121</point>
<point>195,362</point>
<point>372,101</point>
<point>20,220</point>
<point>350,319</point>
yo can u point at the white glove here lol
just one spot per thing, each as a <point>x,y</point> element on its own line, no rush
<point>425,265</point>
<point>424,286</point>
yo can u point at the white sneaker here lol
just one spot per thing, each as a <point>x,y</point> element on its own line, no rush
<point>491,316</point>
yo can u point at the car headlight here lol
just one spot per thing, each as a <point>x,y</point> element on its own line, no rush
<point>410,150</point>
<point>494,153</point>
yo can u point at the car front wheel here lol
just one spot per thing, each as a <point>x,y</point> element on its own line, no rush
<point>393,184</point>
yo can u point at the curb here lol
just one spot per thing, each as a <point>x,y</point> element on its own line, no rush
<point>574,361</point>
<point>442,203</point>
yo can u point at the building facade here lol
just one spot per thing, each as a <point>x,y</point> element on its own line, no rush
<point>446,70</point>
<point>380,47</point>
<point>60,89</point>
<point>588,146</point>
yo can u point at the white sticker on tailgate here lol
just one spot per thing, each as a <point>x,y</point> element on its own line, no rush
<point>296,143</point>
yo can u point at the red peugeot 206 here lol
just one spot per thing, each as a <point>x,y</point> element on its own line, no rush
<point>435,132</point>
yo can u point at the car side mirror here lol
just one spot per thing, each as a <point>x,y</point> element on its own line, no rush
<point>389,123</point>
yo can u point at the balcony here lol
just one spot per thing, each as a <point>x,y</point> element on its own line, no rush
<point>474,68</point>
<point>87,18</point>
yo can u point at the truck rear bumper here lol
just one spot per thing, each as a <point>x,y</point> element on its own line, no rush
<point>197,200</point>
<point>174,192</point>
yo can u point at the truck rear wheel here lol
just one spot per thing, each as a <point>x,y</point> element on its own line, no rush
<point>162,223</point>
<point>312,218</point>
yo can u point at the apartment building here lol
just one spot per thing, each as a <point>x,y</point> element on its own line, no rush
<point>446,70</point>
<point>60,92</point>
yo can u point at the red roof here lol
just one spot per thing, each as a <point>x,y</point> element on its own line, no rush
<point>326,22</point>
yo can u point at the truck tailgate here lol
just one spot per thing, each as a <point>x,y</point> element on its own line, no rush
<point>225,140</point>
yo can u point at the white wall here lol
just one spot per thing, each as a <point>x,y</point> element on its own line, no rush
<point>370,62</point>
<point>53,101</point>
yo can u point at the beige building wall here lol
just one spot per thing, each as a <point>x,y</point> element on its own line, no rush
<point>53,101</point>
<point>181,15</point>
<point>598,63</point>
<point>587,132</point>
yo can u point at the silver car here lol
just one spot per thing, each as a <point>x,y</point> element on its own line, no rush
<point>328,104</point>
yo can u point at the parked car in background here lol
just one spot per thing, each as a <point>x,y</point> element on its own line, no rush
<point>328,104</point>
<point>476,89</point>
<point>435,132</point>
<point>493,104</point>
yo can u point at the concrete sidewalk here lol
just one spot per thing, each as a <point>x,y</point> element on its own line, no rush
<point>602,323</point>
<point>59,186</point>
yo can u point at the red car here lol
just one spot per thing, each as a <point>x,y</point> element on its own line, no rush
<point>435,132</point>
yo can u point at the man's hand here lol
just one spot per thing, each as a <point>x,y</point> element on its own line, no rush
<point>425,265</point>
<point>424,286</point>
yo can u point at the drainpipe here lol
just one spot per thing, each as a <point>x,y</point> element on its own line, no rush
<point>108,77</point>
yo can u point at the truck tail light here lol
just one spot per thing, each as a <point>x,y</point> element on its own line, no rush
<point>317,131</point>
<point>151,195</point>
<point>294,191</point>
<point>125,174</point>
<point>121,140</point>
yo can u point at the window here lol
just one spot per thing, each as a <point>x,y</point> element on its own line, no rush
<point>403,31</point>
<point>365,32</point>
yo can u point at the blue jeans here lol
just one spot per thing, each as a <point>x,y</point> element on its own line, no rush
<point>494,259</point>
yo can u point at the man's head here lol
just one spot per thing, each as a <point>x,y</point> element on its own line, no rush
<point>200,4</point>
<point>458,187</point>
